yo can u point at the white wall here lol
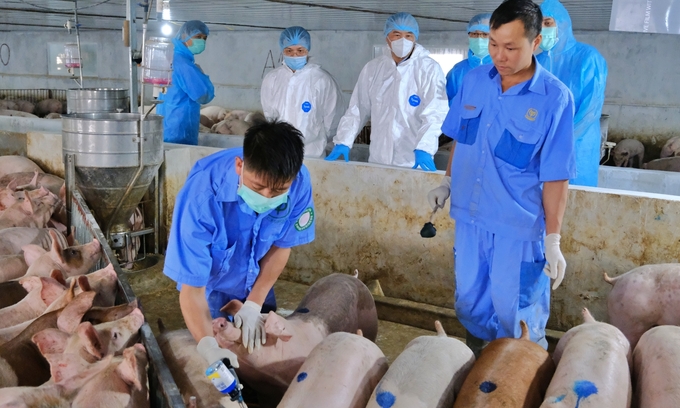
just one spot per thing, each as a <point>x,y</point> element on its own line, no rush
<point>643,88</point>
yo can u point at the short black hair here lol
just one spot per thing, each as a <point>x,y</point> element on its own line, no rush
<point>526,11</point>
<point>273,150</point>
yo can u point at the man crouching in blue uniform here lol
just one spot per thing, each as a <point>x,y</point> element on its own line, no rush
<point>512,123</point>
<point>234,224</point>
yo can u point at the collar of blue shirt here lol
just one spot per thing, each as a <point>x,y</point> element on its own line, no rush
<point>228,188</point>
<point>536,84</point>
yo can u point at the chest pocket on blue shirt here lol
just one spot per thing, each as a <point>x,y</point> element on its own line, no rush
<point>221,257</point>
<point>469,125</point>
<point>516,146</point>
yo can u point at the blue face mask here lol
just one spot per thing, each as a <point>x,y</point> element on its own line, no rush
<point>197,45</point>
<point>295,63</point>
<point>479,46</point>
<point>549,38</point>
<point>259,203</point>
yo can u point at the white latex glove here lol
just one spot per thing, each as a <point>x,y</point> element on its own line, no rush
<point>437,197</point>
<point>555,265</point>
<point>251,323</point>
<point>212,352</point>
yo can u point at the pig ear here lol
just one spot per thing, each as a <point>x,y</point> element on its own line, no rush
<point>72,314</point>
<point>58,276</point>
<point>32,253</point>
<point>27,205</point>
<point>71,238</point>
<point>127,369</point>
<point>62,193</point>
<point>56,245</point>
<point>439,328</point>
<point>275,325</point>
<point>34,181</point>
<point>51,290</point>
<point>360,333</point>
<point>50,341</point>
<point>232,307</point>
<point>587,317</point>
<point>83,283</point>
<point>13,185</point>
<point>31,283</point>
<point>63,366</point>
<point>90,339</point>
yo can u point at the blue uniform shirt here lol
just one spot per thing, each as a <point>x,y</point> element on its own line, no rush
<point>217,241</point>
<point>508,144</point>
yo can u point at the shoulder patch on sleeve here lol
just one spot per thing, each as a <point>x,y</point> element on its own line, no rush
<point>306,219</point>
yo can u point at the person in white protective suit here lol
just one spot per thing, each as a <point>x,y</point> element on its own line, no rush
<point>404,96</point>
<point>302,93</point>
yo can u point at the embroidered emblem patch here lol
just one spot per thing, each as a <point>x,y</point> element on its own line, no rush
<point>531,114</point>
<point>306,219</point>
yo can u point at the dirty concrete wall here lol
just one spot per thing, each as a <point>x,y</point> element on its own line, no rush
<point>369,218</point>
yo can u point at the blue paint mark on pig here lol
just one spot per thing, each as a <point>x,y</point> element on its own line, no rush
<point>385,399</point>
<point>487,387</point>
<point>301,377</point>
<point>583,390</point>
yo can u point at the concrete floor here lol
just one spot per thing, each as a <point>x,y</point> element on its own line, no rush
<point>159,299</point>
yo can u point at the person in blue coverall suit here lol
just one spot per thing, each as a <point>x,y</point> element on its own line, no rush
<point>478,54</point>
<point>513,156</point>
<point>190,88</point>
<point>235,221</point>
<point>584,71</point>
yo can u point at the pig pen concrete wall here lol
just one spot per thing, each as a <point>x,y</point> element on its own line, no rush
<point>642,95</point>
<point>369,218</point>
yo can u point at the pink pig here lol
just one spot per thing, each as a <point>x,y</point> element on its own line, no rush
<point>644,297</point>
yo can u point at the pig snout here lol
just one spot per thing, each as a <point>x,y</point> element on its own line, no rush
<point>225,332</point>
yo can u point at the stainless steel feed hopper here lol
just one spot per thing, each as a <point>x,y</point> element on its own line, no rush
<point>91,100</point>
<point>113,161</point>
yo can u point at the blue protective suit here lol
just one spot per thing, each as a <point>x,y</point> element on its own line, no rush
<point>190,89</point>
<point>454,78</point>
<point>583,69</point>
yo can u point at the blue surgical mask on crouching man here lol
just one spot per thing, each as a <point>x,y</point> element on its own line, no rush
<point>295,63</point>
<point>259,203</point>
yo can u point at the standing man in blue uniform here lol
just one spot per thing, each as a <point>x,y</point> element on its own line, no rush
<point>584,71</point>
<point>512,124</point>
<point>191,88</point>
<point>234,224</point>
<point>478,54</point>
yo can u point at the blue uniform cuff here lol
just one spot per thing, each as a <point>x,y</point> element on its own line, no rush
<point>185,278</point>
<point>301,240</point>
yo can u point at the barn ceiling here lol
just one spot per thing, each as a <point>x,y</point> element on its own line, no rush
<point>353,15</point>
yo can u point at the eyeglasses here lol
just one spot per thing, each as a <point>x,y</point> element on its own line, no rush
<point>478,35</point>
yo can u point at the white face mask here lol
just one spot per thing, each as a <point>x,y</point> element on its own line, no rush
<point>401,47</point>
